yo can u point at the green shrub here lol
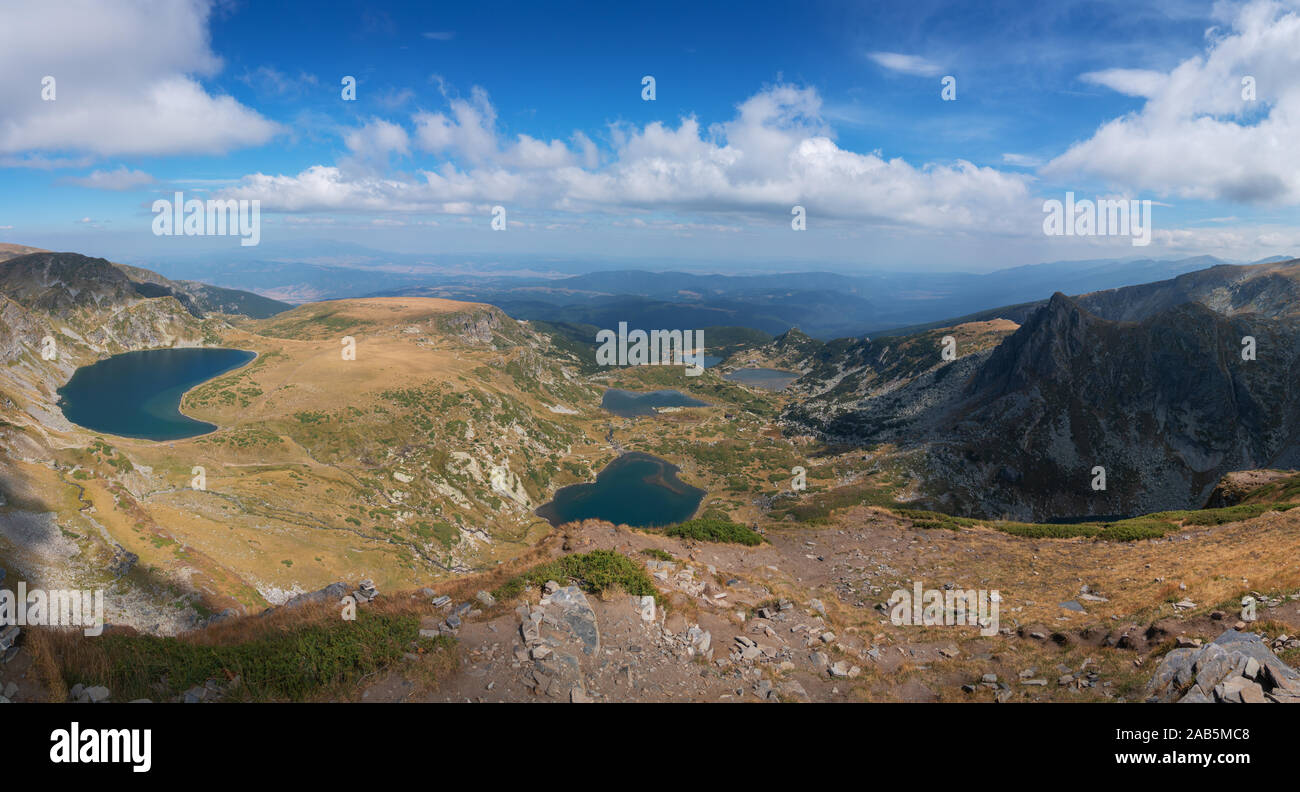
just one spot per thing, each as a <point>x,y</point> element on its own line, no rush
<point>593,572</point>
<point>292,665</point>
<point>713,530</point>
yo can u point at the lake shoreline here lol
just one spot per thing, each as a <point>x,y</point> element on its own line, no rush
<point>132,402</point>
<point>577,502</point>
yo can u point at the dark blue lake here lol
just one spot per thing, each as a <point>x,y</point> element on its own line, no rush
<point>636,489</point>
<point>629,404</point>
<point>138,394</point>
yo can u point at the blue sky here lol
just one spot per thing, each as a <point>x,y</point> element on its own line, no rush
<point>835,107</point>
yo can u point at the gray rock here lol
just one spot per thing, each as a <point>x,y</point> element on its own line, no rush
<point>576,614</point>
<point>97,694</point>
<point>1236,667</point>
<point>331,593</point>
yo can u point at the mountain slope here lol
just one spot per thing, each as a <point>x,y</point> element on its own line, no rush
<point>1160,397</point>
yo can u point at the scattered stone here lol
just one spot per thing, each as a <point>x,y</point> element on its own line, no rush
<point>842,670</point>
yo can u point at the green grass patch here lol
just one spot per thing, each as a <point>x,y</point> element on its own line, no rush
<point>1147,526</point>
<point>594,572</point>
<point>293,665</point>
<point>714,530</point>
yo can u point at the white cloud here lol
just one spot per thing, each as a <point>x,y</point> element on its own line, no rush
<point>126,80</point>
<point>775,153</point>
<point>1196,136</point>
<point>439,35</point>
<point>122,178</point>
<point>1130,82</point>
<point>470,131</point>
<point>907,64</point>
<point>377,139</point>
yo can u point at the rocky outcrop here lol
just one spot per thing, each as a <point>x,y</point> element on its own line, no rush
<point>1166,406</point>
<point>1237,668</point>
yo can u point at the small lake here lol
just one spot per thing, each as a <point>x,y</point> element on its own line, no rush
<point>138,394</point>
<point>765,378</point>
<point>630,404</point>
<point>636,489</point>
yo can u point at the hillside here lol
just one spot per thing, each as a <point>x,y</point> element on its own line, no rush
<point>1155,391</point>
<point>423,456</point>
<point>598,613</point>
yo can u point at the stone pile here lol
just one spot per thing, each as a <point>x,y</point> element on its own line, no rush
<point>555,634</point>
<point>1236,668</point>
<point>366,591</point>
<point>432,627</point>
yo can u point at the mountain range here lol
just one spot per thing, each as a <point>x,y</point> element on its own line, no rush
<point>1154,383</point>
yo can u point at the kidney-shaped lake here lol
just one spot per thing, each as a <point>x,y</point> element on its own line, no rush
<point>138,394</point>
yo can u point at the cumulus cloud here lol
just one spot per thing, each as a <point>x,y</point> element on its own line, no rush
<point>907,64</point>
<point>122,178</point>
<point>1198,135</point>
<point>377,140</point>
<point>1130,82</point>
<point>470,130</point>
<point>776,152</point>
<point>126,80</point>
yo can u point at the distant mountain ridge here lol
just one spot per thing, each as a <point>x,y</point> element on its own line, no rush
<point>824,304</point>
<point>1147,382</point>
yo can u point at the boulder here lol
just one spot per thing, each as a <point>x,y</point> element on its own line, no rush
<point>1236,668</point>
